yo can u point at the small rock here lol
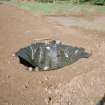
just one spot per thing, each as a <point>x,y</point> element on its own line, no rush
<point>58,41</point>
<point>40,82</point>
<point>46,89</point>
<point>46,68</point>
<point>30,69</point>
<point>49,92</point>
<point>13,55</point>
<point>48,48</point>
<point>48,100</point>
<point>46,78</point>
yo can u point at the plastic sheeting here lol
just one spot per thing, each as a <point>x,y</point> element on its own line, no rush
<point>48,56</point>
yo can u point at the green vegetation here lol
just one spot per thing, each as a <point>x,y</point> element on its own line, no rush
<point>46,8</point>
<point>61,8</point>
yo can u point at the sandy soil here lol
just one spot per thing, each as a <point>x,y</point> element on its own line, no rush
<point>65,86</point>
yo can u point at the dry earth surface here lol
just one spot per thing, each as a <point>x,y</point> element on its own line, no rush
<point>82,83</point>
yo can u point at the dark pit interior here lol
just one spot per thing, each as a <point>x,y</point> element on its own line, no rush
<point>25,63</point>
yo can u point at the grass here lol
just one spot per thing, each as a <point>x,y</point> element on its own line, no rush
<point>45,8</point>
<point>66,7</point>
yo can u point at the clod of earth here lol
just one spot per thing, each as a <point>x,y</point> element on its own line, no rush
<point>50,56</point>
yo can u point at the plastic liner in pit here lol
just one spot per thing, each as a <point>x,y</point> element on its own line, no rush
<point>50,56</point>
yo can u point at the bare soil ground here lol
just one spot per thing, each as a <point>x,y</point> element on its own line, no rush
<point>82,83</point>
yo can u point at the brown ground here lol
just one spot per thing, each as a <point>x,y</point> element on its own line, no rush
<point>82,83</point>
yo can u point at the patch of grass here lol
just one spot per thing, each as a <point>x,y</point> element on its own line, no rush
<point>100,9</point>
<point>45,8</point>
<point>53,8</point>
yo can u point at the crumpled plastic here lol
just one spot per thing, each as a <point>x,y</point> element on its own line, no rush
<point>50,56</point>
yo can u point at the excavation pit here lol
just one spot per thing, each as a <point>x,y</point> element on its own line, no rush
<point>50,55</point>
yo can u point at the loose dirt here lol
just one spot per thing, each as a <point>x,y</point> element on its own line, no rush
<point>84,79</point>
